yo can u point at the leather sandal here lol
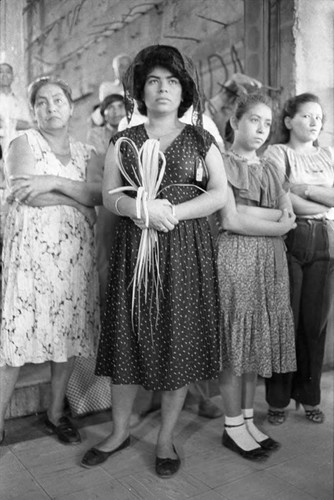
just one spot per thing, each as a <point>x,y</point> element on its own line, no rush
<point>315,415</point>
<point>64,430</point>
<point>94,456</point>
<point>276,417</point>
<point>167,467</point>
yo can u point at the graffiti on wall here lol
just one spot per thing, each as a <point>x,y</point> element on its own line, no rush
<point>66,23</point>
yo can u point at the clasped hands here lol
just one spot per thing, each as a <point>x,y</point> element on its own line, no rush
<point>161,216</point>
<point>287,219</point>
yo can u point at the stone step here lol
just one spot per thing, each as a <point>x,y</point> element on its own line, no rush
<point>32,392</point>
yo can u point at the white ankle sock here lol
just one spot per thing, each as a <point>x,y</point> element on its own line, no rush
<point>239,433</point>
<point>248,414</point>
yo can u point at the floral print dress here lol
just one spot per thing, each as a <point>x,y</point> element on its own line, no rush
<point>50,283</point>
<point>256,318</point>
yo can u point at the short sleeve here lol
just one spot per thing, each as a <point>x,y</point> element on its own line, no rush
<point>277,155</point>
<point>261,182</point>
<point>204,140</point>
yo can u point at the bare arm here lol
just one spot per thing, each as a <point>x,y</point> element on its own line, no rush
<point>25,185</point>
<point>304,207</point>
<point>319,195</point>
<point>270,214</point>
<point>20,161</point>
<point>248,225</point>
<point>53,199</point>
<point>259,212</point>
<point>215,196</point>
<point>160,213</point>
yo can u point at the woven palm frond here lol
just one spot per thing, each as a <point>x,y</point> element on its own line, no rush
<point>150,163</point>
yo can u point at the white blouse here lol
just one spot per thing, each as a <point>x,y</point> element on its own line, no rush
<point>316,169</point>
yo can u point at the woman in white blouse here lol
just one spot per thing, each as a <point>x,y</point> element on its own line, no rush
<point>310,169</point>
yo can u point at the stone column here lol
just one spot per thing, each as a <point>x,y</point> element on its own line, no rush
<point>12,40</point>
<point>314,35</point>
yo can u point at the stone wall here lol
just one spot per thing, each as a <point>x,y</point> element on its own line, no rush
<point>12,47</point>
<point>78,39</point>
<point>314,37</point>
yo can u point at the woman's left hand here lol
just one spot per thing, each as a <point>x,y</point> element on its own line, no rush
<point>25,188</point>
<point>161,216</point>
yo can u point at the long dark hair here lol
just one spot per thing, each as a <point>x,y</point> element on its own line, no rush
<point>290,108</point>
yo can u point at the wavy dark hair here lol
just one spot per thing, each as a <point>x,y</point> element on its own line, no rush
<point>167,57</point>
<point>242,105</point>
<point>290,108</point>
<point>46,80</point>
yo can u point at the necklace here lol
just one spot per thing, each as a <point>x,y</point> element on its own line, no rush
<point>243,158</point>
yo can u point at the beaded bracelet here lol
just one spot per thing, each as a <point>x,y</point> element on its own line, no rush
<point>116,203</point>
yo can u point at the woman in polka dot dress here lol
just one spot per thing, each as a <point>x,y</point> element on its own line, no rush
<point>173,340</point>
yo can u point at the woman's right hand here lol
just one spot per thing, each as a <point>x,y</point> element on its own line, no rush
<point>160,216</point>
<point>24,188</point>
<point>287,220</point>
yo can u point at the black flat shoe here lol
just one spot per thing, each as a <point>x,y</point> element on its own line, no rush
<point>167,467</point>
<point>256,454</point>
<point>269,444</point>
<point>94,457</point>
<point>65,431</point>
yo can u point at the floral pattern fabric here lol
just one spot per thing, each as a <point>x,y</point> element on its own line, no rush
<point>50,283</point>
<point>256,318</point>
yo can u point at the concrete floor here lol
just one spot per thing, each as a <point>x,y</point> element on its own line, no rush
<point>37,467</point>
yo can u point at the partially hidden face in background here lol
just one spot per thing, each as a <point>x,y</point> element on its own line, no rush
<point>6,75</point>
<point>114,113</point>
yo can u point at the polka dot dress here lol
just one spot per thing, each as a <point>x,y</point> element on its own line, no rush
<point>177,343</point>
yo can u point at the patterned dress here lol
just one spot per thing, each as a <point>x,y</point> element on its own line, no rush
<point>256,318</point>
<point>50,284</point>
<point>179,344</point>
